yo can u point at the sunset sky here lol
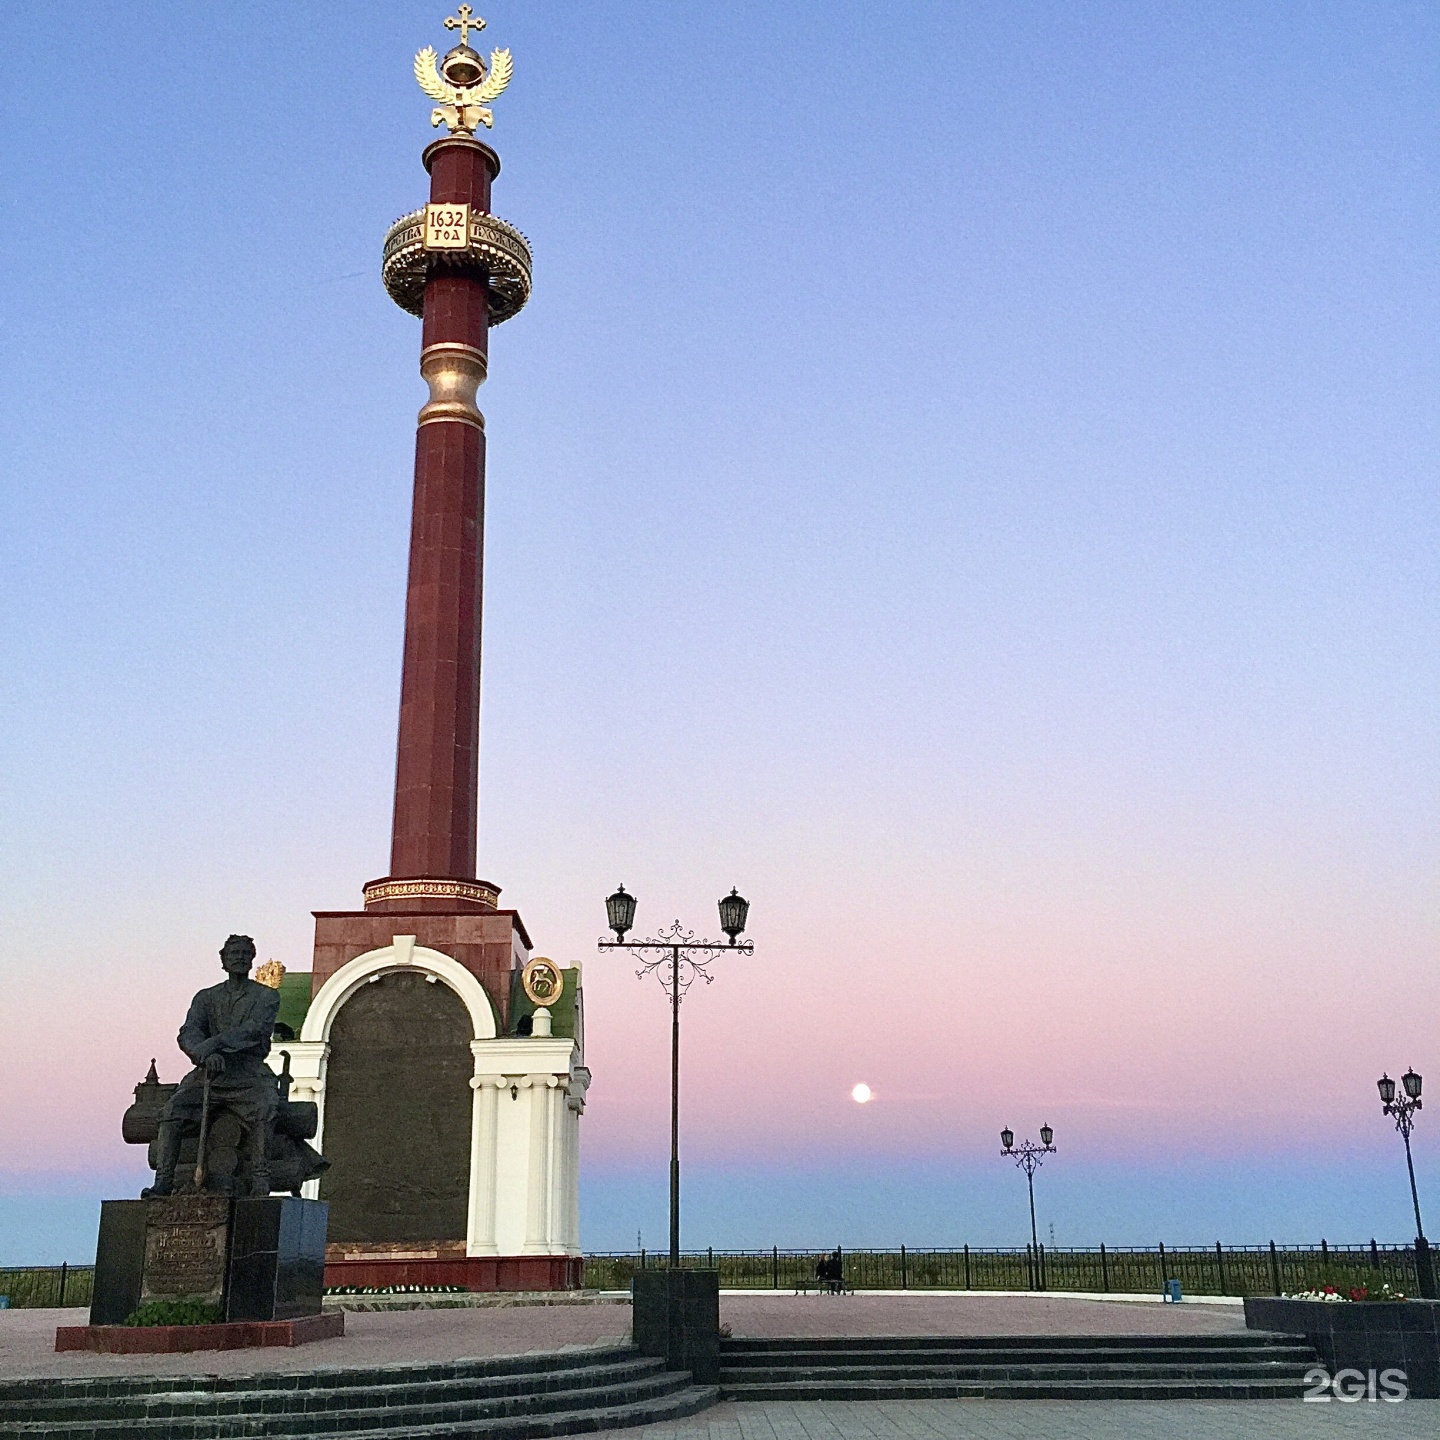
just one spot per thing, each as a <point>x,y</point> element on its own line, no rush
<point>967,476</point>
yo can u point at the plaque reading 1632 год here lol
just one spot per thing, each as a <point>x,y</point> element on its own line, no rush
<point>185,1243</point>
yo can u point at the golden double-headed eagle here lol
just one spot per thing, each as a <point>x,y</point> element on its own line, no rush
<point>460,83</point>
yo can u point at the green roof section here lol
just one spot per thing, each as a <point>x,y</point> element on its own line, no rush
<point>294,1000</point>
<point>295,997</point>
<point>562,1010</point>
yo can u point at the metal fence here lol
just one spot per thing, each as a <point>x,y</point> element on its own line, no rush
<point>1216,1270</point>
<point>35,1287</point>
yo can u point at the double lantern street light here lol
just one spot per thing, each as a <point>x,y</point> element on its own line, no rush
<point>1027,1158</point>
<point>1402,1108</point>
<point>679,959</point>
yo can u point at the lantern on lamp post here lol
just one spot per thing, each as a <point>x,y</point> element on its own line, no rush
<point>679,959</point>
<point>1401,1107</point>
<point>1027,1158</point>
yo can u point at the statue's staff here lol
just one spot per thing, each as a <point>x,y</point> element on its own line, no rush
<point>204,1129</point>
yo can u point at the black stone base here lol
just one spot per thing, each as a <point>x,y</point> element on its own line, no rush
<point>277,1259</point>
<point>274,1263</point>
<point>1362,1335</point>
<point>677,1317</point>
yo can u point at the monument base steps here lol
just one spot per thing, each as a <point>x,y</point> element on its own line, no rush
<point>516,1397</point>
<point>1016,1367</point>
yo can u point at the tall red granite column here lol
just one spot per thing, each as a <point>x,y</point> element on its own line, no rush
<point>399,1121</point>
<point>462,270</point>
<point>437,761</point>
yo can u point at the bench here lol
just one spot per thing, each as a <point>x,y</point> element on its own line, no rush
<point>807,1283</point>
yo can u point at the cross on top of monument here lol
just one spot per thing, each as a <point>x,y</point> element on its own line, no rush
<point>464,20</point>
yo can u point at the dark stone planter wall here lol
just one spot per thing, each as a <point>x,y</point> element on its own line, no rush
<point>1404,1335</point>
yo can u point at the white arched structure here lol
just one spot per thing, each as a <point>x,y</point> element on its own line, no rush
<point>528,1095</point>
<point>400,955</point>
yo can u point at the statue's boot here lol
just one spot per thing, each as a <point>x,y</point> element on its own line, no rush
<point>168,1144</point>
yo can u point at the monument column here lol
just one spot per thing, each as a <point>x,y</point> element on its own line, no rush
<point>437,757</point>
<point>461,270</point>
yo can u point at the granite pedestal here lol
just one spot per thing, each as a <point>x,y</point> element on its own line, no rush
<point>676,1316</point>
<point>254,1259</point>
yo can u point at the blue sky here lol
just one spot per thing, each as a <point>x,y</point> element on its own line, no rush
<point>967,476</point>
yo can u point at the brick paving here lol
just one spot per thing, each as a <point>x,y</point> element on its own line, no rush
<point>1049,1420</point>
<point>27,1337</point>
<point>410,1337</point>
<point>769,1315</point>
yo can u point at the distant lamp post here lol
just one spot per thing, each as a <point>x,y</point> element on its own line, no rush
<point>679,959</point>
<point>1027,1158</point>
<point>1402,1109</point>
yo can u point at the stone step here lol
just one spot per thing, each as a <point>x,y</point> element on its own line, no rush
<point>1029,1367</point>
<point>398,1387</point>
<point>344,1377</point>
<point>676,1404</point>
<point>1034,1355</point>
<point>687,1401</point>
<point>1094,1389</point>
<point>1260,1370</point>
<point>541,1399</point>
<point>1242,1339</point>
<point>354,1411</point>
<point>339,1413</point>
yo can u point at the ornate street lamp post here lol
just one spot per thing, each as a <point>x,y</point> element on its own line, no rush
<point>679,959</point>
<point>1027,1158</point>
<point>1402,1108</point>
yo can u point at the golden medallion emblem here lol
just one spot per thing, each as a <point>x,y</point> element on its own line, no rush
<point>542,981</point>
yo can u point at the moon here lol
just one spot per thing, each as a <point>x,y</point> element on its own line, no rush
<point>862,1094</point>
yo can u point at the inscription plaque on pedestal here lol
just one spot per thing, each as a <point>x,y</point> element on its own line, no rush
<point>186,1245</point>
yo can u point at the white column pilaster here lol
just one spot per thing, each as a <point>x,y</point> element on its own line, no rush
<point>537,1179</point>
<point>557,1201</point>
<point>480,1236</point>
<point>572,1194</point>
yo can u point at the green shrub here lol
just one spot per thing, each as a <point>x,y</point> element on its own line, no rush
<point>189,1311</point>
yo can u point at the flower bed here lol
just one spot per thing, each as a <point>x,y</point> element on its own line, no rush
<point>1359,1294</point>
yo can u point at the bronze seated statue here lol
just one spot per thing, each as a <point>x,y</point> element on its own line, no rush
<point>229,1127</point>
<point>227,1169</point>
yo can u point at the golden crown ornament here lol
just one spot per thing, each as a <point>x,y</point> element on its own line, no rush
<point>462,84</point>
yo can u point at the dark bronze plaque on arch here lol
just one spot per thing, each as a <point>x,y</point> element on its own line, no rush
<point>397,1113</point>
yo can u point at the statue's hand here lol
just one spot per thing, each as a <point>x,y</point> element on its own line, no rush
<point>214,1064</point>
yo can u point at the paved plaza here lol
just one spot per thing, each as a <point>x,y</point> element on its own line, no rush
<point>1049,1420</point>
<point>411,1337</point>
<point>27,1337</point>
<point>769,1315</point>
<point>415,1336</point>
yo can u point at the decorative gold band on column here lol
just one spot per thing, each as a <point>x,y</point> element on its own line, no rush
<point>454,374</point>
<point>476,892</point>
<point>496,250</point>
